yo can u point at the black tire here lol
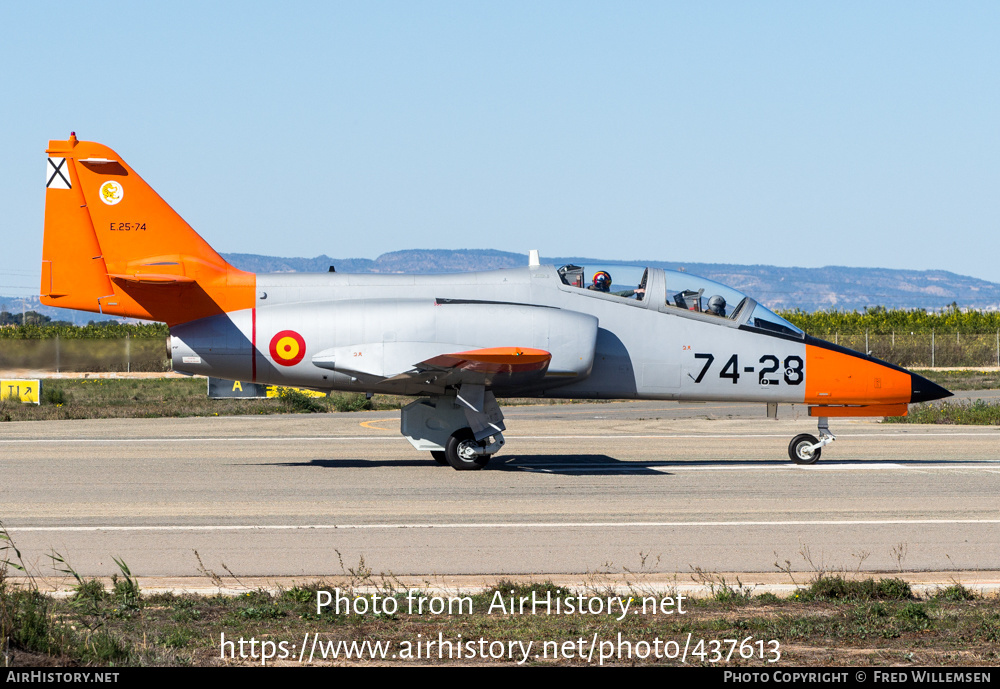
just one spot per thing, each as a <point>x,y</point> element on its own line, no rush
<point>795,449</point>
<point>439,457</point>
<point>456,460</point>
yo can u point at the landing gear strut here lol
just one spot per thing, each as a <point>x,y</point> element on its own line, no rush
<point>806,449</point>
<point>462,428</point>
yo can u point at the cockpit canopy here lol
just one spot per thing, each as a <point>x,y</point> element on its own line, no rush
<point>698,294</point>
<point>622,281</point>
<point>682,294</point>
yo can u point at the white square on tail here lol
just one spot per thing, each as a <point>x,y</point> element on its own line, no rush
<point>57,174</point>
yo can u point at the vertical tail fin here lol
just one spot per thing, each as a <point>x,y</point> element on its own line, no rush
<point>112,245</point>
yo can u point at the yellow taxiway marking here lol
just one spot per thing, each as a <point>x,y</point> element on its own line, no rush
<point>368,424</point>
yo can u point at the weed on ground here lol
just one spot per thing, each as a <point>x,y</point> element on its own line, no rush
<point>832,621</point>
<point>962,380</point>
<point>103,398</point>
<point>977,413</point>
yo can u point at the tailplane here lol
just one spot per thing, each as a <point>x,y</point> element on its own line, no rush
<point>113,246</point>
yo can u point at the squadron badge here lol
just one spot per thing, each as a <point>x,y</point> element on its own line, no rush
<point>112,192</point>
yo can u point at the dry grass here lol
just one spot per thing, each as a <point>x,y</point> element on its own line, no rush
<point>835,619</point>
<point>832,623</point>
<point>100,398</point>
<point>962,380</point>
<point>967,413</point>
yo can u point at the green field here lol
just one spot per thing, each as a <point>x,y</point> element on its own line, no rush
<point>910,338</point>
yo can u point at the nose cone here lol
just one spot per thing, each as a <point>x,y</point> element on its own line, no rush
<point>923,390</point>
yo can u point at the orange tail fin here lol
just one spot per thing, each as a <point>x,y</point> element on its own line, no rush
<point>113,246</point>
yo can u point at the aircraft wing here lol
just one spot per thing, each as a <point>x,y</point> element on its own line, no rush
<point>393,363</point>
<point>492,367</point>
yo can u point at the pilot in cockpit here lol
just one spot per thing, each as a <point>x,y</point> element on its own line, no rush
<point>602,283</point>
<point>717,305</point>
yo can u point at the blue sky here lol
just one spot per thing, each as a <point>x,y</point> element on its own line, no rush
<point>801,134</point>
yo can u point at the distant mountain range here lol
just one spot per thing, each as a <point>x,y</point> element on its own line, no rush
<point>808,289</point>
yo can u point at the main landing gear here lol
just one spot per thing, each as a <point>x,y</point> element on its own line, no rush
<point>806,449</point>
<point>463,429</point>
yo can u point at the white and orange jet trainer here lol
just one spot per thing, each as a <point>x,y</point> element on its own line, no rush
<point>457,342</point>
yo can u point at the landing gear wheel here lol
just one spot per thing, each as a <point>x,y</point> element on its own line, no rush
<point>439,457</point>
<point>458,455</point>
<point>798,449</point>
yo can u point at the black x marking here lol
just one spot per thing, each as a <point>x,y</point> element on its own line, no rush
<point>57,170</point>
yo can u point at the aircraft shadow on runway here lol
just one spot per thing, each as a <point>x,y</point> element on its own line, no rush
<point>603,465</point>
<point>575,465</point>
<point>351,463</point>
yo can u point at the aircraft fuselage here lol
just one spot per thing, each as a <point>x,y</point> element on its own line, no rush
<point>358,331</point>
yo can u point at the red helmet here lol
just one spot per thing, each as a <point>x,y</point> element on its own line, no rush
<point>602,280</point>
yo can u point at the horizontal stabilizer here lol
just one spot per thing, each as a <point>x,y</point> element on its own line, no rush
<point>151,279</point>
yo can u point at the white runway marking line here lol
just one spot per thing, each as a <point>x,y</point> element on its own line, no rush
<point>894,434</point>
<point>191,440</point>
<point>508,525</point>
<point>666,467</point>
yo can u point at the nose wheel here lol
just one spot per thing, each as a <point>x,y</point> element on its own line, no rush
<point>801,449</point>
<point>806,449</point>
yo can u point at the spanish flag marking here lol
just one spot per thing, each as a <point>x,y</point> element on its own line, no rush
<point>287,348</point>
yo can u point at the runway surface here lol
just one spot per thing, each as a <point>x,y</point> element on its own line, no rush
<point>648,486</point>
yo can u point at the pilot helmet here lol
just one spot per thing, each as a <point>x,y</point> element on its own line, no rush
<point>602,280</point>
<point>717,305</point>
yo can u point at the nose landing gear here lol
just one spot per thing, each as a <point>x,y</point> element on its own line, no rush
<point>806,449</point>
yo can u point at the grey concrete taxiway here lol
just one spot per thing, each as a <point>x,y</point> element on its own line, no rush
<point>651,486</point>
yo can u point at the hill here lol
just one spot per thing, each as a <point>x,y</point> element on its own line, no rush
<point>808,289</point>
<point>780,288</point>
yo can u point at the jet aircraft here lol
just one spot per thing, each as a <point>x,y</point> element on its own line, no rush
<point>455,342</point>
